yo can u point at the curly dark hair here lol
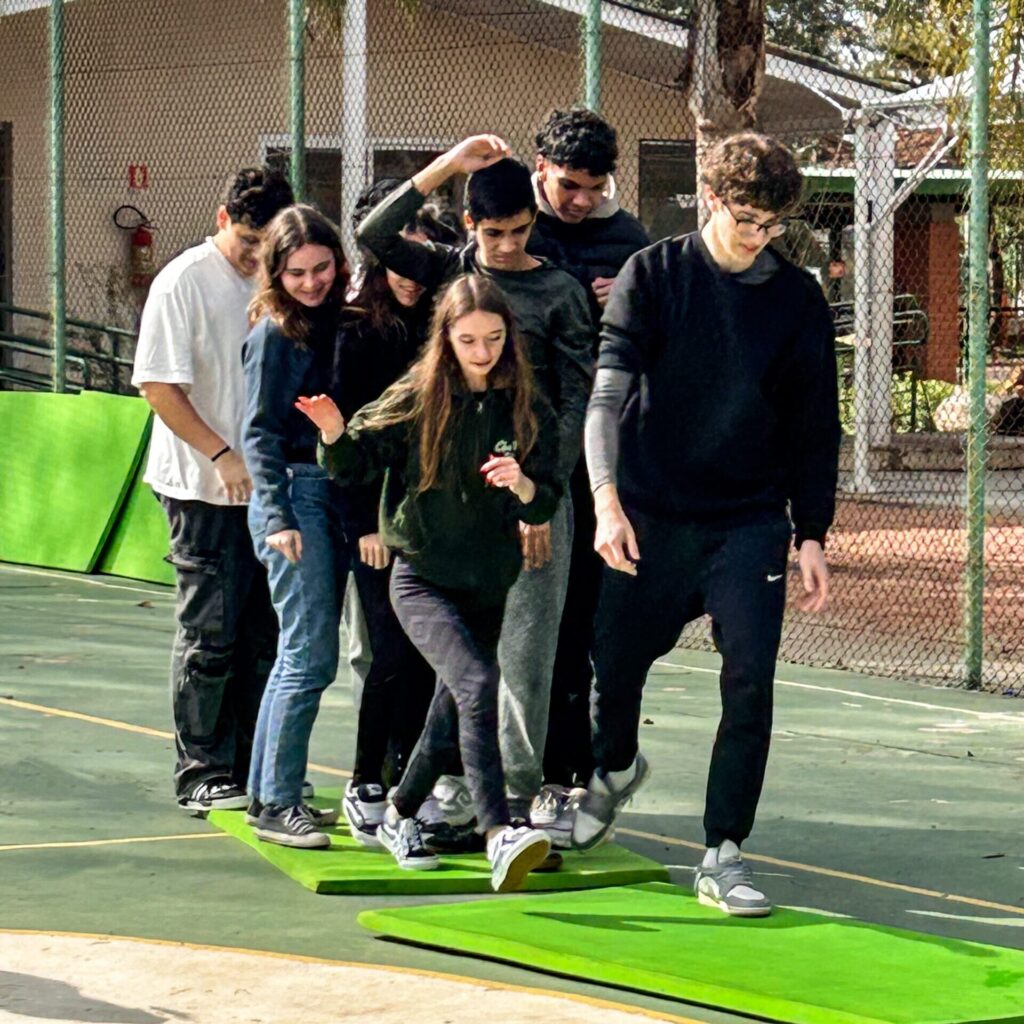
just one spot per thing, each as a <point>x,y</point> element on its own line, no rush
<point>254,195</point>
<point>754,170</point>
<point>580,139</point>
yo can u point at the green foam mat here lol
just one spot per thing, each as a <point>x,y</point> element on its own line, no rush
<point>66,463</point>
<point>795,967</point>
<point>349,868</point>
<point>140,538</point>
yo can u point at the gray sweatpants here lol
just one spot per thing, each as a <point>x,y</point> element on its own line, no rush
<point>526,654</point>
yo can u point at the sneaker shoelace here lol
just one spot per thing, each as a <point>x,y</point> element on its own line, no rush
<point>552,801</point>
<point>734,873</point>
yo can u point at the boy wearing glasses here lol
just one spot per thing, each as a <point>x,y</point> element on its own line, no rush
<point>712,440</point>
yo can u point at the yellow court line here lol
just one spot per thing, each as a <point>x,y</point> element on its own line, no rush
<point>168,590</point>
<point>793,865</point>
<point>831,873</point>
<point>601,1004</point>
<point>142,730</point>
<point>111,842</point>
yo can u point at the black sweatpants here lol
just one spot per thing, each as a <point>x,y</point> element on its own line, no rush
<point>568,758</point>
<point>225,643</point>
<point>398,687</point>
<point>738,577</point>
<point>458,634</point>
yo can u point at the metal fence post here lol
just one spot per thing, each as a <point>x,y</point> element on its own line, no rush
<point>297,61</point>
<point>978,313</point>
<point>592,55</point>
<point>58,300</point>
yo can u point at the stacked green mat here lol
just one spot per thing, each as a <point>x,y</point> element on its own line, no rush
<point>348,868</point>
<point>71,495</point>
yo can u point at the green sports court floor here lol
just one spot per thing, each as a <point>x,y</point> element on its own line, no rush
<point>890,802</point>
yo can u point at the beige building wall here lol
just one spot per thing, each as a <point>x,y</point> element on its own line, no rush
<point>193,89</point>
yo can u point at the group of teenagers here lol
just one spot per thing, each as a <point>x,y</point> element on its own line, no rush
<point>516,457</point>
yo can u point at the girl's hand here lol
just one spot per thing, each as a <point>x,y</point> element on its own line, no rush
<point>372,552</point>
<point>325,414</point>
<point>288,543</point>
<point>504,471</point>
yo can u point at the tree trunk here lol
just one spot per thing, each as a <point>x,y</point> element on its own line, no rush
<point>726,73</point>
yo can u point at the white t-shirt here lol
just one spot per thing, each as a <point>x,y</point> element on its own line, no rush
<point>193,327</point>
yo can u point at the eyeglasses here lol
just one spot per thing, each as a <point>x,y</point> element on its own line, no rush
<point>771,229</point>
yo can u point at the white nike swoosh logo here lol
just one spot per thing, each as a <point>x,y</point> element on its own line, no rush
<point>772,579</point>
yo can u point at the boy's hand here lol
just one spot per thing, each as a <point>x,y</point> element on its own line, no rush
<point>614,539</point>
<point>372,552</point>
<point>288,542</point>
<point>815,577</point>
<point>536,543</point>
<point>476,153</point>
<point>234,477</point>
<point>602,288</point>
<point>325,414</point>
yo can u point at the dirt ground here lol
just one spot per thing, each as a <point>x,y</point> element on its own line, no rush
<point>897,605</point>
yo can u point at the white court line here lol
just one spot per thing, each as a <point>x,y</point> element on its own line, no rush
<point>991,716</point>
<point>80,578</point>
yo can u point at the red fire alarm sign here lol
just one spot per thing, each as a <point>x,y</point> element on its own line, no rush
<point>138,176</point>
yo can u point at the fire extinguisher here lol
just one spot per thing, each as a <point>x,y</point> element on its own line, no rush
<point>141,262</point>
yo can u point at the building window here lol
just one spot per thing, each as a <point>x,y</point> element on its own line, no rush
<point>668,186</point>
<point>323,176</point>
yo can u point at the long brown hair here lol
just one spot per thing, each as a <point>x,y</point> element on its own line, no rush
<point>424,395</point>
<point>294,227</point>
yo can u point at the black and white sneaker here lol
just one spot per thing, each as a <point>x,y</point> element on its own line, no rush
<point>290,826</point>
<point>214,795</point>
<point>441,837</point>
<point>322,817</point>
<point>364,807</point>
<point>514,852</point>
<point>403,838</point>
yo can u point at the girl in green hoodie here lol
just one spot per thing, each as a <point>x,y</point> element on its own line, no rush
<point>467,449</point>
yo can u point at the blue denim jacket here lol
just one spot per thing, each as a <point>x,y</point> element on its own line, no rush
<point>274,433</point>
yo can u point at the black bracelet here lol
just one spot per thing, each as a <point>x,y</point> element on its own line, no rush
<point>223,451</point>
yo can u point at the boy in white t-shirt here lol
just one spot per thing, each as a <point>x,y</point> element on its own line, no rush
<point>188,366</point>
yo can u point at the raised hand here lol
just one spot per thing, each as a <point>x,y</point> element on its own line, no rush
<point>325,414</point>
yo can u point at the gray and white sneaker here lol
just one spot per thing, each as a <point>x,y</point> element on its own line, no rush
<point>322,817</point>
<point>554,810</point>
<point>290,826</point>
<point>729,886</point>
<point>364,807</point>
<point>596,810</point>
<point>403,839</point>
<point>514,852</point>
<point>454,801</point>
<point>308,792</point>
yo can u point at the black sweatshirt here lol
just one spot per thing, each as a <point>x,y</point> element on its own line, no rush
<point>549,306</point>
<point>367,361</point>
<point>736,410</point>
<point>461,533</point>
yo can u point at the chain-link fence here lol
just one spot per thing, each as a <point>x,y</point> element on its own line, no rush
<point>163,100</point>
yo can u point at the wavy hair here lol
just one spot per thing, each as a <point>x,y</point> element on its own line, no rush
<point>424,396</point>
<point>294,227</point>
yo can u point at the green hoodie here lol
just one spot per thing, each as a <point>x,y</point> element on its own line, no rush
<point>460,534</point>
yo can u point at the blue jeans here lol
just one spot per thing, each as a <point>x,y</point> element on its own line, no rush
<point>307,597</point>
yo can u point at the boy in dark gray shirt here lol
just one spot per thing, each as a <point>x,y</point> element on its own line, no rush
<point>551,312</point>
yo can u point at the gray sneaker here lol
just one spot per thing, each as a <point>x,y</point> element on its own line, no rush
<point>597,808</point>
<point>554,811</point>
<point>290,826</point>
<point>729,886</point>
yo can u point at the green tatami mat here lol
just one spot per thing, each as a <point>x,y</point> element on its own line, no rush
<point>139,539</point>
<point>349,868</point>
<point>793,966</point>
<point>66,464</point>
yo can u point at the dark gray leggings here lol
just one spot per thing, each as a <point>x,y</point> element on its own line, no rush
<point>457,633</point>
